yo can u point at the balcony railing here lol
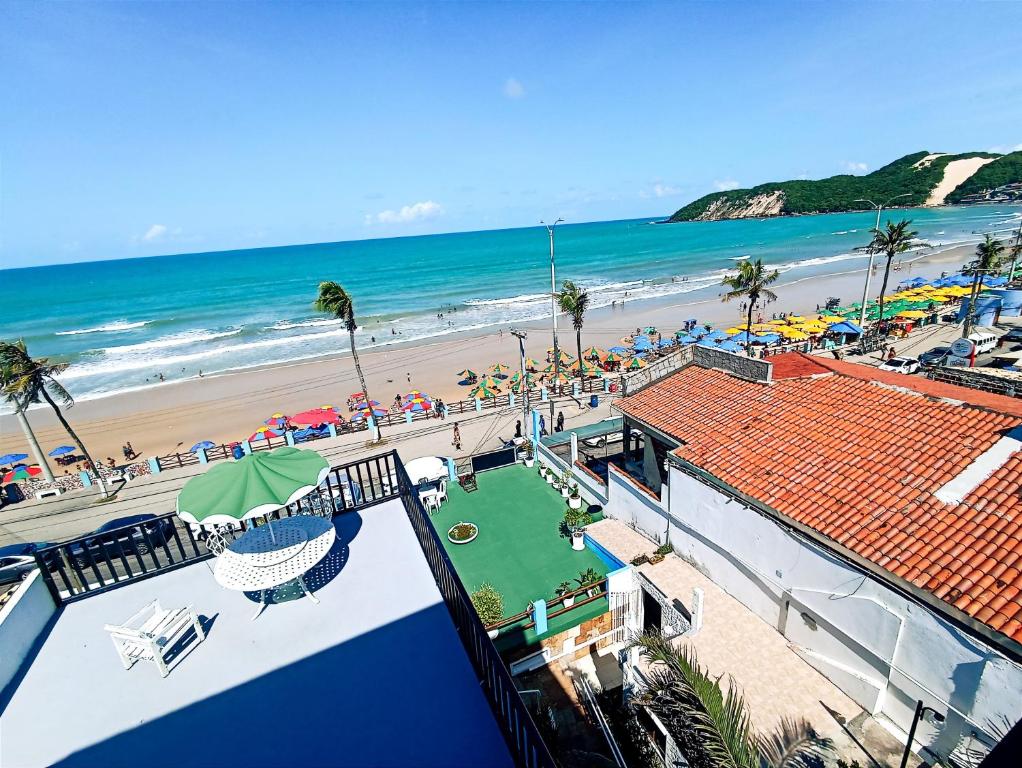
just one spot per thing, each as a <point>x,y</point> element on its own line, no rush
<point>520,732</point>
<point>97,562</point>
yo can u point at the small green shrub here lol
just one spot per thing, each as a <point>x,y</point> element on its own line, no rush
<point>489,604</point>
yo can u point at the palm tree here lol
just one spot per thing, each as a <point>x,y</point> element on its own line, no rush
<point>988,259</point>
<point>574,301</point>
<point>750,282</point>
<point>1016,251</point>
<point>894,240</point>
<point>336,301</point>
<point>25,381</point>
<point>710,725</point>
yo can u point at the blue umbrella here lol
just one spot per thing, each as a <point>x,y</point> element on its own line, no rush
<point>10,458</point>
<point>743,337</point>
<point>61,450</point>
<point>665,343</point>
<point>641,337</point>
<point>619,350</point>
<point>715,335</point>
<point>204,445</point>
<point>639,354</point>
<point>643,345</point>
<point>687,340</point>
<point>305,434</point>
<point>706,343</point>
<point>729,346</point>
<point>769,338</point>
<point>845,327</point>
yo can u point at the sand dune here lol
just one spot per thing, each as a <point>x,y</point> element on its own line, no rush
<point>955,173</point>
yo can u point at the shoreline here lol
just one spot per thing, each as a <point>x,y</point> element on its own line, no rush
<point>168,417</point>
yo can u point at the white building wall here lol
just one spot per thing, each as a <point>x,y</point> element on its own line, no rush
<point>882,649</point>
<point>22,620</point>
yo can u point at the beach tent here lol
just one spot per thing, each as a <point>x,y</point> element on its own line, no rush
<point>846,327</point>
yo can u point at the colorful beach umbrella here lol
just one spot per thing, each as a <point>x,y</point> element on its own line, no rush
<point>912,314</point>
<point>253,486</point>
<point>560,378</point>
<point>417,404</point>
<point>613,357</point>
<point>12,458</point>
<point>467,374</point>
<point>635,364</point>
<point>593,353</point>
<point>205,445</point>
<point>315,417</point>
<point>276,420</point>
<point>22,473</point>
<point>498,368</point>
<point>482,392</point>
<point>60,451</point>
<point>264,433</point>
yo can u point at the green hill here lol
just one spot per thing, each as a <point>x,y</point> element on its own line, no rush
<point>916,174</point>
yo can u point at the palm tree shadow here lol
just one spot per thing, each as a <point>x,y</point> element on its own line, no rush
<point>347,525</point>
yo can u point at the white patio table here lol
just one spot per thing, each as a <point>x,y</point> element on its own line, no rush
<point>259,561</point>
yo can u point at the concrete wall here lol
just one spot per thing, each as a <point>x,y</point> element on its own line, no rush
<point>592,491</point>
<point>881,648</point>
<point>22,620</point>
<point>635,506</point>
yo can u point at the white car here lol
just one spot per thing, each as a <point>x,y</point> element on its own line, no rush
<point>901,365</point>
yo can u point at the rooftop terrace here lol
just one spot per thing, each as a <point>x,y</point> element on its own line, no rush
<point>519,549</point>
<point>376,674</point>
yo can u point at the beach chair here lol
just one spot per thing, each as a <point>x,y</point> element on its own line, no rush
<point>441,496</point>
<point>153,634</point>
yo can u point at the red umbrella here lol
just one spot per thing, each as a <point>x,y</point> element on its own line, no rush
<point>315,417</point>
<point>264,433</point>
<point>22,473</point>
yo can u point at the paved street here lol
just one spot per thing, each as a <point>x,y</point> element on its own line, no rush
<point>76,513</point>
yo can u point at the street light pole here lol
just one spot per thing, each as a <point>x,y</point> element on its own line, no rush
<point>553,307</point>
<point>522,336</point>
<point>920,712</point>
<point>869,267</point>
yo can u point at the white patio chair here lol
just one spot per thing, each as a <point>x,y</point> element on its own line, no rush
<point>441,496</point>
<point>152,633</point>
<point>431,503</point>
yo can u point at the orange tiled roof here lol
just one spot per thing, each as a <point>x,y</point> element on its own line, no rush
<point>859,461</point>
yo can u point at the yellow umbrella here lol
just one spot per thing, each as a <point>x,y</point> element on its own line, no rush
<point>793,319</point>
<point>766,327</point>
<point>778,321</point>
<point>793,334</point>
<point>733,331</point>
<point>832,319</point>
<point>912,314</point>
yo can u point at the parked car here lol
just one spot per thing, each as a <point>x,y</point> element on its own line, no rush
<point>934,356</point>
<point>17,561</point>
<point>901,365</point>
<point>122,536</point>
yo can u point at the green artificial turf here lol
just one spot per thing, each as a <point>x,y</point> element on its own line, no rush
<point>519,549</point>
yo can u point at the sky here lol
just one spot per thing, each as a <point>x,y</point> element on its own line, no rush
<point>137,129</point>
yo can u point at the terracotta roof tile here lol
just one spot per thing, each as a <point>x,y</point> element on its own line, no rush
<point>857,454</point>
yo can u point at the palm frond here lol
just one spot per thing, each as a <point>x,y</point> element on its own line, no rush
<point>335,300</point>
<point>793,744</point>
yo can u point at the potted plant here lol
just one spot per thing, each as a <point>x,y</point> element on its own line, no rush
<point>573,527</point>
<point>529,459</point>
<point>587,579</point>
<point>542,469</point>
<point>489,604</point>
<point>565,483</point>
<point>640,559</point>
<point>574,497</point>
<point>551,476</point>
<point>565,588</point>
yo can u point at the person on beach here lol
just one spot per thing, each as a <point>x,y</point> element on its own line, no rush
<point>560,422</point>
<point>542,425</point>
<point>518,428</point>
<point>456,442</point>
<point>440,409</point>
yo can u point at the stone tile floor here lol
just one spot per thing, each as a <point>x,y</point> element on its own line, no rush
<point>735,642</point>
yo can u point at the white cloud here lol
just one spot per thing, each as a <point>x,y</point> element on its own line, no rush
<point>665,190</point>
<point>407,214</point>
<point>853,167</point>
<point>154,233</point>
<point>726,184</point>
<point>1005,149</point>
<point>513,89</point>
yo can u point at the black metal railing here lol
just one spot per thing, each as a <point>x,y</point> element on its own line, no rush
<point>523,739</point>
<point>98,562</point>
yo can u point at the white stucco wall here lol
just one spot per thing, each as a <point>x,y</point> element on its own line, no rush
<point>21,620</point>
<point>634,506</point>
<point>883,649</point>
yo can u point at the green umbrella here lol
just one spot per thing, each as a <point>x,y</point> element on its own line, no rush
<point>254,486</point>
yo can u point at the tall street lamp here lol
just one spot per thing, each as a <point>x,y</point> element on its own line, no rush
<point>522,336</point>
<point>919,714</point>
<point>869,267</point>
<point>553,305</point>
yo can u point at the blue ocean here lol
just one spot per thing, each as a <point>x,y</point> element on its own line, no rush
<point>120,324</point>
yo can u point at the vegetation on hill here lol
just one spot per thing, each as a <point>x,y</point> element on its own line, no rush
<point>1006,169</point>
<point>836,193</point>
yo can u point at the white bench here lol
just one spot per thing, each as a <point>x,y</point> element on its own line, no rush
<point>152,633</point>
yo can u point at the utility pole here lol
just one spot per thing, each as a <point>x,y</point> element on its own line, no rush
<point>1015,251</point>
<point>869,267</point>
<point>522,336</point>
<point>553,311</point>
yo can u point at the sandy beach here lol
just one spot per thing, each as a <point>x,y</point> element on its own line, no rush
<point>173,416</point>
